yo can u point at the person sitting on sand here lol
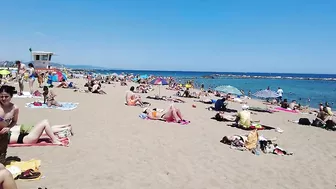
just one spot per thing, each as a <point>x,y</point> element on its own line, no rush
<point>132,99</point>
<point>171,114</point>
<point>49,97</point>
<point>293,105</point>
<point>284,104</point>
<point>328,109</point>
<point>243,118</point>
<point>220,105</point>
<point>29,134</point>
<point>95,87</point>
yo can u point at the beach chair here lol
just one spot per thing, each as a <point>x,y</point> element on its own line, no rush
<point>3,147</point>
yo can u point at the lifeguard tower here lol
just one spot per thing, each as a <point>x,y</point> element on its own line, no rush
<point>41,59</point>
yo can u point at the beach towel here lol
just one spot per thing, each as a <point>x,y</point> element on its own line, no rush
<point>254,126</point>
<point>65,106</point>
<point>44,142</point>
<point>258,109</point>
<point>17,167</point>
<point>286,110</point>
<point>26,94</point>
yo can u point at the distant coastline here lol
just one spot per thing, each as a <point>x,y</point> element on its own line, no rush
<point>219,75</point>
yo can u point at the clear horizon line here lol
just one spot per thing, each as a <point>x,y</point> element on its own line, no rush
<point>100,67</point>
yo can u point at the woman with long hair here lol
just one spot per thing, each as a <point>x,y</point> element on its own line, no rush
<point>32,76</point>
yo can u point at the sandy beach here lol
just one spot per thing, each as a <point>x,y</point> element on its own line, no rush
<point>114,148</point>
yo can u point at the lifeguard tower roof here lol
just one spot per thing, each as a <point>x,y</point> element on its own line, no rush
<point>42,53</point>
<point>41,59</point>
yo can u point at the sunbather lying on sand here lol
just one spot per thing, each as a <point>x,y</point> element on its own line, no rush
<point>67,85</point>
<point>164,98</point>
<point>242,119</point>
<point>49,97</point>
<point>171,114</point>
<point>6,179</point>
<point>28,134</point>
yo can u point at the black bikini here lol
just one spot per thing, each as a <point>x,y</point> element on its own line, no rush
<point>20,138</point>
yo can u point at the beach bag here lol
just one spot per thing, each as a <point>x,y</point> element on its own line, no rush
<point>37,104</point>
<point>317,123</point>
<point>330,125</point>
<point>37,93</point>
<point>304,121</point>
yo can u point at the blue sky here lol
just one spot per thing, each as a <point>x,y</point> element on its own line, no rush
<point>202,35</point>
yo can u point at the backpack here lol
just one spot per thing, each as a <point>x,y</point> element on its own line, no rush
<point>304,121</point>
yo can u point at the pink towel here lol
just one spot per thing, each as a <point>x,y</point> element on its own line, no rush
<point>44,142</point>
<point>184,122</point>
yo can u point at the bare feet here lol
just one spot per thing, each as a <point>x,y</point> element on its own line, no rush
<point>57,142</point>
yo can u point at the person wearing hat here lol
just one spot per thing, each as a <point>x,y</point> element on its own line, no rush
<point>244,117</point>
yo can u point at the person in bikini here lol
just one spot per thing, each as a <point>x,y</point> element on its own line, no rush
<point>171,114</point>
<point>9,114</point>
<point>32,76</point>
<point>21,70</point>
<point>49,97</point>
<point>133,99</point>
<point>30,134</point>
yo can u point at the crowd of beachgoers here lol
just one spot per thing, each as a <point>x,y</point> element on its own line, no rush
<point>14,134</point>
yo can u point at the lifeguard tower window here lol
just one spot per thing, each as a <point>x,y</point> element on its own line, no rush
<point>37,57</point>
<point>44,57</point>
<point>50,58</point>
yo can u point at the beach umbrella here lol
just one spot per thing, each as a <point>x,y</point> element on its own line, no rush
<point>4,72</point>
<point>159,81</point>
<point>114,75</point>
<point>228,89</point>
<point>145,76</point>
<point>188,86</point>
<point>266,94</point>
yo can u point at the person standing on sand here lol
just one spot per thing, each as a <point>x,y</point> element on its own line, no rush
<point>21,69</point>
<point>32,76</point>
<point>280,92</point>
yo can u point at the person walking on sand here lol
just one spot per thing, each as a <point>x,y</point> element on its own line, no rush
<point>21,69</point>
<point>32,76</point>
<point>280,92</point>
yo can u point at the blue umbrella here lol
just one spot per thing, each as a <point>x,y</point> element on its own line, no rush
<point>266,94</point>
<point>145,76</point>
<point>228,89</point>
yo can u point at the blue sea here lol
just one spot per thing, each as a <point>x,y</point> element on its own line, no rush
<point>300,90</point>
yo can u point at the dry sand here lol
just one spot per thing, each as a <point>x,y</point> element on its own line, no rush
<point>114,148</point>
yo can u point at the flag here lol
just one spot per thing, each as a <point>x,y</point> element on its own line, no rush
<point>30,49</point>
